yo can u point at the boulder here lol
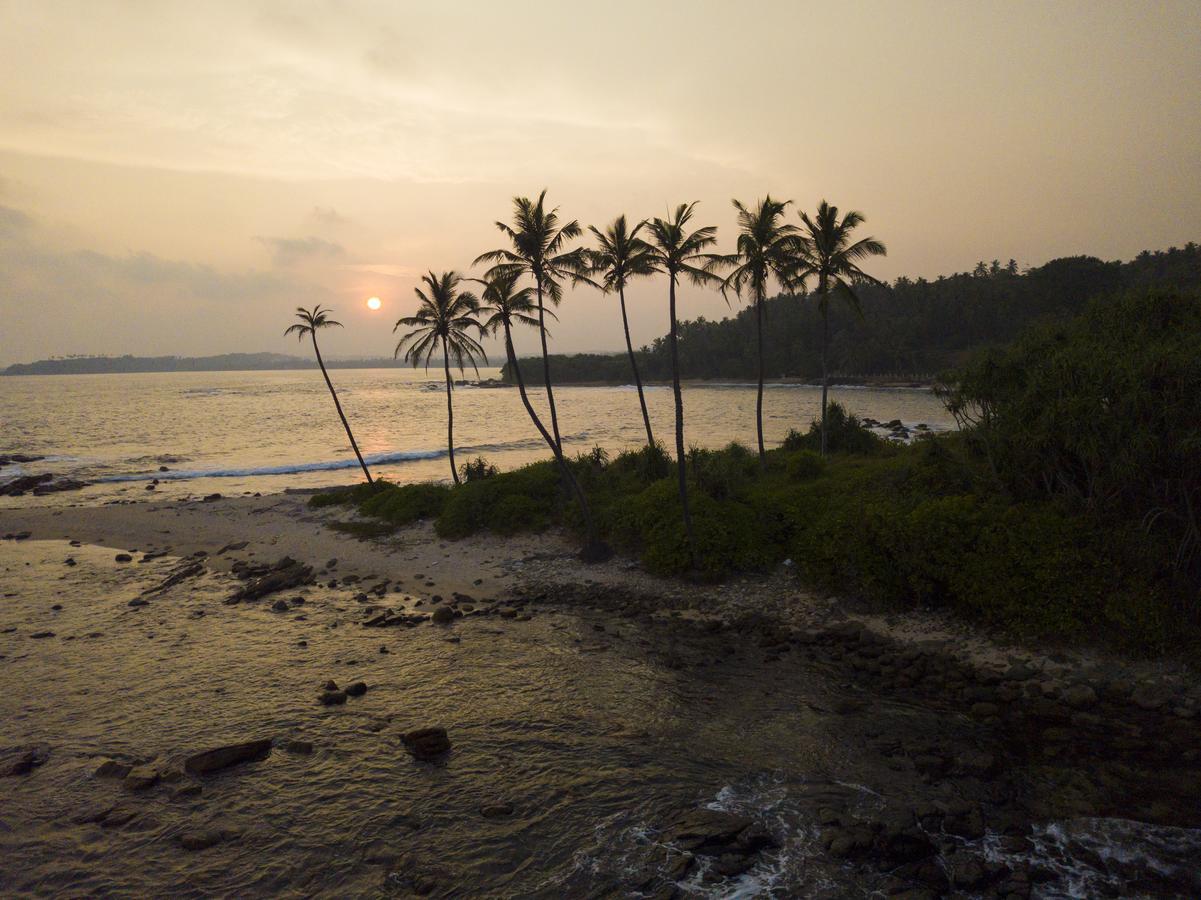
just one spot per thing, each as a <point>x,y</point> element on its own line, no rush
<point>223,757</point>
<point>141,778</point>
<point>22,760</point>
<point>332,698</point>
<point>356,689</point>
<point>110,768</point>
<point>284,575</point>
<point>426,743</point>
<point>443,615</point>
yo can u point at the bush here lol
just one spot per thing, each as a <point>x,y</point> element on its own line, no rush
<point>647,464</point>
<point>845,433</point>
<point>404,504</point>
<point>722,474</point>
<point>805,466</point>
<point>348,496</point>
<point>477,470</point>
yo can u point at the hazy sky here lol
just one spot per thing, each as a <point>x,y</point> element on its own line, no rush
<point>177,177</point>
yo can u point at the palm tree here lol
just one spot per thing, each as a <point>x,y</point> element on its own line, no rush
<point>311,320</point>
<point>766,247</point>
<point>443,317</point>
<point>621,255</point>
<point>677,252</point>
<point>506,306</point>
<point>537,242</point>
<point>831,255</point>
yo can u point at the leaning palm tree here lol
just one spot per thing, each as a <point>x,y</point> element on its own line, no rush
<point>311,320</point>
<point>831,255</point>
<point>538,242</point>
<point>443,320</point>
<point>767,247</point>
<point>621,255</point>
<point>507,306</point>
<point>677,252</point>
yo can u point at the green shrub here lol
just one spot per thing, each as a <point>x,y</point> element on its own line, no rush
<point>647,464</point>
<point>349,496</point>
<point>845,433</point>
<point>477,470</point>
<point>404,504</point>
<point>805,465</point>
<point>722,474</point>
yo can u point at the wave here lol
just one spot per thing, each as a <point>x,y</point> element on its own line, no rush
<point>372,459</point>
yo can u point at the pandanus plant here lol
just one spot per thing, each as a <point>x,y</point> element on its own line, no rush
<point>508,306</point>
<point>830,254</point>
<point>312,321</point>
<point>444,319</point>
<point>620,255</point>
<point>538,243</point>
<point>678,252</point>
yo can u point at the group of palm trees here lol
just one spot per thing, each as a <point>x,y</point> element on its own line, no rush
<point>451,320</point>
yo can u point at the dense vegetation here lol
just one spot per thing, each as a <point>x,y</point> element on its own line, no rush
<point>1067,507</point>
<point>911,328</point>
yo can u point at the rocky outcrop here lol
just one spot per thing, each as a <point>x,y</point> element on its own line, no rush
<point>219,758</point>
<point>261,581</point>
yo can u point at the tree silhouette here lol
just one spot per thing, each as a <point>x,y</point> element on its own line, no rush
<point>444,317</point>
<point>619,256</point>
<point>767,246</point>
<point>833,257</point>
<point>506,306</point>
<point>677,252</point>
<point>537,241</point>
<point>311,321</point>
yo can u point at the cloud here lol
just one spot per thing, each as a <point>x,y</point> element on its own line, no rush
<point>13,220</point>
<point>327,215</point>
<point>290,251</point>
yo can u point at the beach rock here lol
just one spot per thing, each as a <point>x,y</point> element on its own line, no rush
<point>280,606</point>
<point>496,810</point>
<point>301,748</point>
<point>714,832</point>
<point>442,615</point>
<point>356,689</point>
<point>284,575</point>
<point>203,838</point>
<point>19,486</point>
<point>223,757</point>
<point>141,778</point>
<point>123,558</point>
<point>138,601</point>
<point>426,743</point>
<point>209,498</point>
<point>112,769</point>
<point>330,685</point>
<point>1078,696</point>
<point>332,698</point>
<point>38,635</point>
<point>22,760</point>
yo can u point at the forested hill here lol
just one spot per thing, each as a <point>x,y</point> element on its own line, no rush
<point>912,329</point>
<point>227,362</point>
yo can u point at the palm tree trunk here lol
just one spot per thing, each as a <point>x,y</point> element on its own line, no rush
<point>625,323</point>
<point>594,550</point>
<point>450,413</point>
<point>550,392</point>
<point>825,311</point>
<point>338,406</point>
<point>759,396</point>
<point>681,467</point>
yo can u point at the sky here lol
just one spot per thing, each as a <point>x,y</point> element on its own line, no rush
<point>177,177</point>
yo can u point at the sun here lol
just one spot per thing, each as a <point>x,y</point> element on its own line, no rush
<point>373,303</point>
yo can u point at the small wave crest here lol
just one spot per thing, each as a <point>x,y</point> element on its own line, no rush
<point>373,459</point>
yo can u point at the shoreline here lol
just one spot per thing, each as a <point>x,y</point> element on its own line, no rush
<point>1033,735</point>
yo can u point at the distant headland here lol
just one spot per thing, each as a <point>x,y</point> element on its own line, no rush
<point>225,362</point>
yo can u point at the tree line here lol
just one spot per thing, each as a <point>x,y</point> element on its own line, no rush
<point>912,328</point>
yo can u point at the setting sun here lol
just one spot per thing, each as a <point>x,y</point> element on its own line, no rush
<point>373,303</point>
